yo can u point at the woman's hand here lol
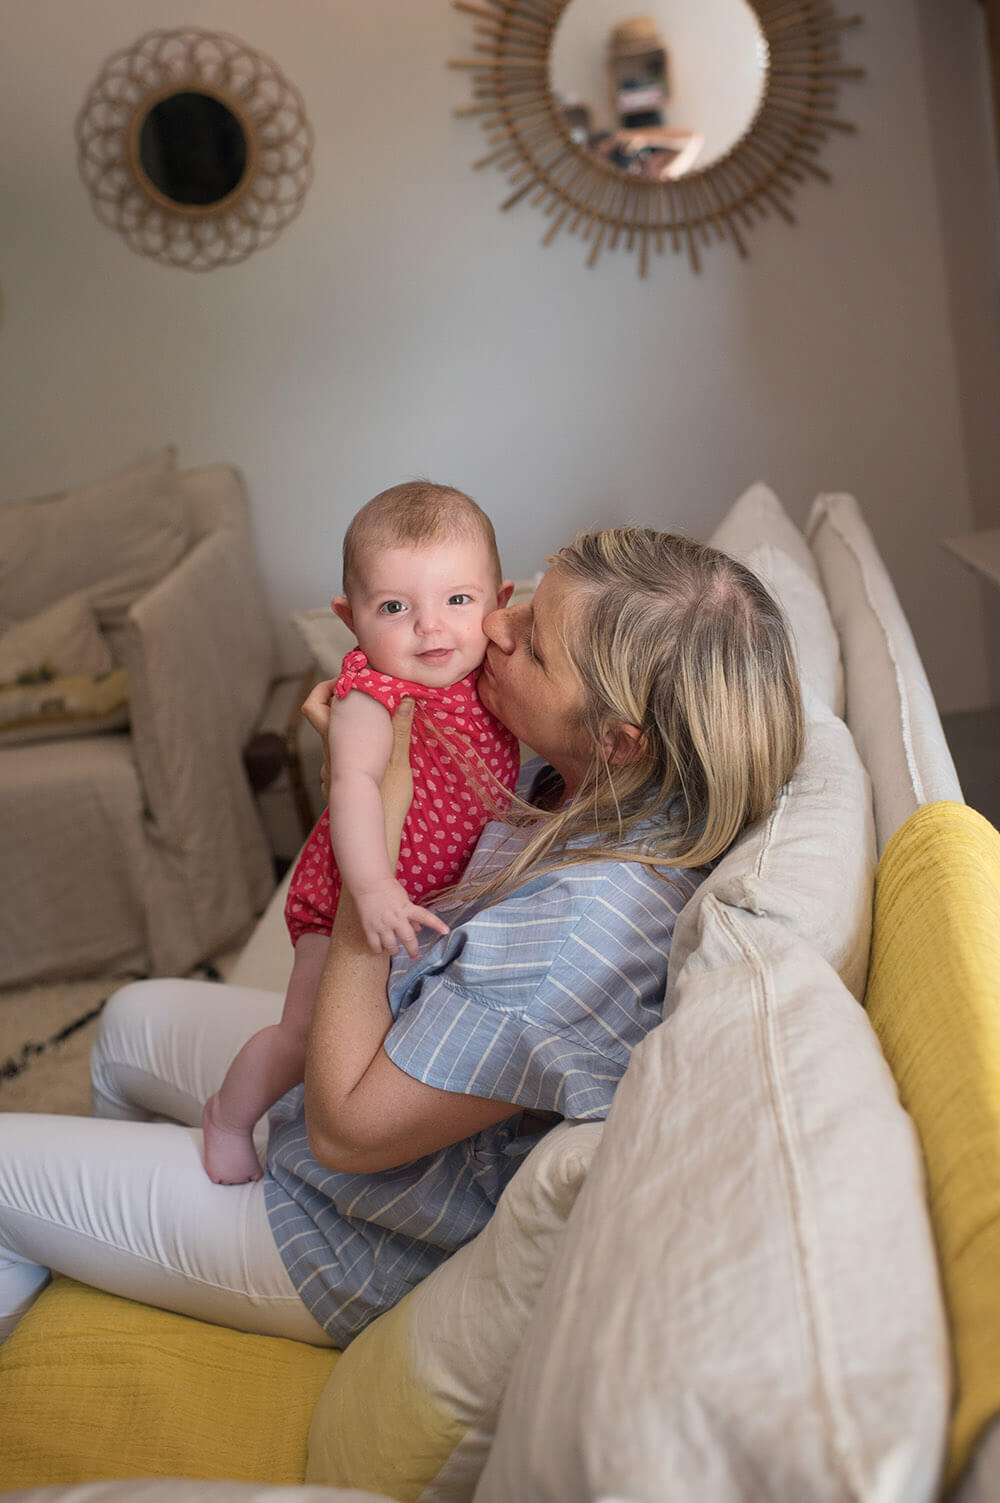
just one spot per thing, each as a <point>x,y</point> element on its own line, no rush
<point>317,711</point>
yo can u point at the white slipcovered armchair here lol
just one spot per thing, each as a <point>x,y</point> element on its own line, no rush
<point>138,848</point>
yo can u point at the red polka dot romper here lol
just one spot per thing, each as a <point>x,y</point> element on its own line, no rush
<point>447,815</point>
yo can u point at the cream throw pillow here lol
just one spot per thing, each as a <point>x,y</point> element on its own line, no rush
<point>747,1302</point>
<point>62,640</point>
<point>759,517</point>
<point>114,538</point>
<point>758,531</point>
<point>411,1406</point>
<point>810,864</point>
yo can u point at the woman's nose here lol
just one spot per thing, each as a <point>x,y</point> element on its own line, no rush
<point>499,626</point>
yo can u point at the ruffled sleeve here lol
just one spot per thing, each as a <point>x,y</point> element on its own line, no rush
<point>354,663</point>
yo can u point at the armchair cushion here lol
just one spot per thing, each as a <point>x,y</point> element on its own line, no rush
<point>114,538</point>
<point>63,639</point>
<point>78,705</point>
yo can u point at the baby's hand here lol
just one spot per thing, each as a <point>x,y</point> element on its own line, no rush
<point>388,918</point>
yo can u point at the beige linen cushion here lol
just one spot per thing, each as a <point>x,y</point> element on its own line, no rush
<point>810,864</point>
<point>759,517</point>
<point>411,1406</point>
<point>746,1302</point>
<point>890,707</point>
<point>114,538</point>
<point>758,531</point>
<point>62,640</point>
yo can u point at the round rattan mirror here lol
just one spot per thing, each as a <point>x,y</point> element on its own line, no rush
<point>674,128</point>
<point>194,147</point>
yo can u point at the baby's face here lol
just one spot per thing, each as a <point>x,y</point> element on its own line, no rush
<point>417,612</point>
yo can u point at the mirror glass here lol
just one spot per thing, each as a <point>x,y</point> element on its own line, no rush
<point>192,148</point>
<point>662,93</point>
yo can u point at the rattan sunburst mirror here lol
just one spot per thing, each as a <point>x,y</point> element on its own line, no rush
<point>641,181</point>
<point>194,147</point>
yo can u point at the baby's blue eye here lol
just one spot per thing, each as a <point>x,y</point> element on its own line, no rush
<point>459,599</point>
<point>392,607</point>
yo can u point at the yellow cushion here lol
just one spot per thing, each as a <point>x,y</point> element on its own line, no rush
<point>934,1000</point>
<point>92,1386</point>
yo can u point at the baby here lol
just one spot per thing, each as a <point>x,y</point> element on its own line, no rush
<point>421,571</point>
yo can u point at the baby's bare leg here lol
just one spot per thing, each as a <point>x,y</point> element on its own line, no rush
<point>267,1066</point>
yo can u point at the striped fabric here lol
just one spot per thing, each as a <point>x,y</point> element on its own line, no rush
<point>540,1001</point>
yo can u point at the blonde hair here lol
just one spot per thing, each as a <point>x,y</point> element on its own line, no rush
<point>417,512</point>
<point>686,644</point>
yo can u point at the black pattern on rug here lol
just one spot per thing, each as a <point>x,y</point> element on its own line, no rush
<point>16,1064</point>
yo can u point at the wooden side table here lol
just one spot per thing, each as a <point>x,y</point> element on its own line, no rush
<point>283,759</point>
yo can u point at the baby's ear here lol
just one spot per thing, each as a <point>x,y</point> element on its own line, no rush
<point>341,607</point>
<point>504,593</point>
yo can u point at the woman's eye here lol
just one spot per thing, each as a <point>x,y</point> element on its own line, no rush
<point>459,599</point>
<point>528,646</point>
<point>391,608</point>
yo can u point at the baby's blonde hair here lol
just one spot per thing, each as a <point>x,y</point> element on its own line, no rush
<point>686,644</point>
<point>417,512</point>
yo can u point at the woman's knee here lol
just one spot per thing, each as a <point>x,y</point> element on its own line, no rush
<point>126,1045</point>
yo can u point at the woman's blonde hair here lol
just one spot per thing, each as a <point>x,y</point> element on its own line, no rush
<point>686,644</point>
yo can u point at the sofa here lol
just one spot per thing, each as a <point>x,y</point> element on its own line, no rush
<point>771,1274</point>
<point>136,655</point>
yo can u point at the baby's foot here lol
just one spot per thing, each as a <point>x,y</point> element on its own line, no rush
<point>230,1157</point>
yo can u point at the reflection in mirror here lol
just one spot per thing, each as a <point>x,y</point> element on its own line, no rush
<point>193,148</point>
<point>660,94</point>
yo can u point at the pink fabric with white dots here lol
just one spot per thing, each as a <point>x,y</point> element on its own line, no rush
<point>447,815</point>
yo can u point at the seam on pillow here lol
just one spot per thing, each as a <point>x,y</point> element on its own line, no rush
<point>904,702</point>
<point>838,1421</point>
<point>773,821</point>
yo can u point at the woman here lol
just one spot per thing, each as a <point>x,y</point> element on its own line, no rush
<point>656,679</point>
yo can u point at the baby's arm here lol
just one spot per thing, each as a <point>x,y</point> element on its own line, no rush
<point>360,743</point>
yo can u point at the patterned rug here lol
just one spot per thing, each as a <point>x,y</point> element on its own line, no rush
<point>46,1033</point>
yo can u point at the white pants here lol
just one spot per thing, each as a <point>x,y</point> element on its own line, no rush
<point>121,1200</point>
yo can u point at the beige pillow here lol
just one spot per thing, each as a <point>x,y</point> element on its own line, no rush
<point>746,1301</point>
<point>758,531</point>
<point>411,1406</point>
<point>82,705</point>
<point>890,707</point>
<point>114,539</point>
<point>60,641</point>
<point>810,864</point>
<point>759,517</point>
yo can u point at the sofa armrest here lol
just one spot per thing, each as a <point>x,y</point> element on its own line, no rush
<point>199,651</point>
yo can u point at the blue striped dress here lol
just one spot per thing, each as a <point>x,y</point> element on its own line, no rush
<point>539,1001</point>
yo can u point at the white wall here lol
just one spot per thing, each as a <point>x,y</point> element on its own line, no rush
<point>402,326</point>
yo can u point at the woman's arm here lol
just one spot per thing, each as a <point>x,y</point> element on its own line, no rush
<point>363,1113</point>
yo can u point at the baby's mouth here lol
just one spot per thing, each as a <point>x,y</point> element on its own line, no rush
<point>435,655</point>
